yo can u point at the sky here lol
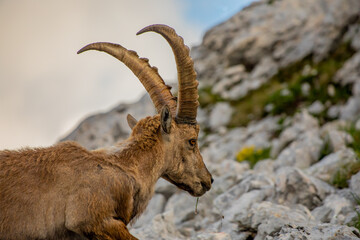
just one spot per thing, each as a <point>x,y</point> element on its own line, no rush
<point>46,89</point>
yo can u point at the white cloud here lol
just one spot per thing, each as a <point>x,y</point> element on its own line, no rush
<point>45,87</point>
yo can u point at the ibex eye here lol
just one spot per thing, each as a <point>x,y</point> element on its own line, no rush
<point>192,142</point>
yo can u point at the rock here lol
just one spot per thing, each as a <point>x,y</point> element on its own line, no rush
<point>183,206</point>
<point>303,152</point>
<point>351,110</point>
<point>322,231</point>
<point>161,227</point>
<point>248,183</point>
<point>349,75</point>
<point>265,69</point>
<point>301,123</point>
<point>330,164</point>
<point>338,140</point>
<point>355,184</point>
<point>226,174</point>
<point>241,206</point>
<point>212,236</point>
<point>265,166</point>
<point>334,111</point>
<point>220,115</point>
<point>155,206</point>
<point>316,108</point>
<point>268,218</point>
<point>229,167</point>
<point>323,188</point>
<point>292,186</point>
<point>350,72</point>
<point>337,124</point>
<point>225,146</point>
<point>165,188</point>
<point>335,210</point>
<point>259,133</point>
<point>355,43</point>
<point>268,36</point>
<point>305,89</point>
<point>353,35</point>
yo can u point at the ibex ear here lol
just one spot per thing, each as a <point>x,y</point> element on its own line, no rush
<point>131,121</point>
<point>165,118</point>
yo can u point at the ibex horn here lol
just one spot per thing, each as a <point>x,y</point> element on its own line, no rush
<point>187,93</point>
<point>159,93</point>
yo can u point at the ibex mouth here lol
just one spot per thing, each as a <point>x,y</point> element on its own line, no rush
<point>182,186</point>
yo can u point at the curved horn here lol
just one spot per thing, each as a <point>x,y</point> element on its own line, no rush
<point>188,93</point>
<point>159,92</point>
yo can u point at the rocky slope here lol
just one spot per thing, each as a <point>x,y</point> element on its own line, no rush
<point>280,98</point>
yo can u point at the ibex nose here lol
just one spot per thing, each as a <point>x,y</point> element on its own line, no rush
<point>212,180</point>
<point>206,186</point>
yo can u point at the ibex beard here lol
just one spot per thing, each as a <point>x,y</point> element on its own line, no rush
<point>68,192</point>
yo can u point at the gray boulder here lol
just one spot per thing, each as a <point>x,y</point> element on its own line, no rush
<point>303,152</point>
<point>161,227</point>
<point>155,206</point>
<point>326,168</point>
<point>220,115</point>
<point>335,210</point>
<point>322,231</point>
<point>295,187</point>
<point>268,218</point>
<point>355,184</point>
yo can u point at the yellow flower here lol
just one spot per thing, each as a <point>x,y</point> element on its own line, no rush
<point>245,153</point>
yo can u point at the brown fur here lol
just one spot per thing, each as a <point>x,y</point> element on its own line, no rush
<point>67,192</point>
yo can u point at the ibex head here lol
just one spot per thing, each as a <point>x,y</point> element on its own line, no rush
<point>179,130</point>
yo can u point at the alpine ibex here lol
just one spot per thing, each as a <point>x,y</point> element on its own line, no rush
<point>68,192</point>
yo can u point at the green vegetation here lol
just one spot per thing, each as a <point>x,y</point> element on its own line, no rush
<point>206,97</point>
<point>252,106</point>
<point>355,134</point>
<point>252,154</point>
<point>283,92</point>
<point>326,149</point>
<point>343,175</point>
<point>356,222</point>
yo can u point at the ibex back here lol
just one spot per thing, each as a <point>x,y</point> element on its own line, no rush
<point>68,192</point>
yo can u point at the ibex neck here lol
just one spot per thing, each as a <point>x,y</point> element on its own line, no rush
<point>147,164</point>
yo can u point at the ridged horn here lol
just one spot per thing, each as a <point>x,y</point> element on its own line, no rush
<point>149,77</point>
<point>187,93</point>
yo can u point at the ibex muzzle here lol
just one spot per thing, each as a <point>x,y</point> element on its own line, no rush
<point>68,192</point>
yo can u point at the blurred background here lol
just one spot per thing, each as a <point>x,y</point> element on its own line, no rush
<point>46,88</point>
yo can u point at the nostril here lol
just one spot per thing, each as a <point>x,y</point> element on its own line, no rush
<point>205,186</point>
<point>212,180</point>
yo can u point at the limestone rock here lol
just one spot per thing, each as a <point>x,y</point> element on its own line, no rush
<point>355,184</point>
<point>303,152</point>
<point>327,167</point>
<point>294,187</point>
<point>335,210</point>
<point>265,37</point>
<point>322,231</point>
<point>155,206</point>
<point>212,236</point>
<point>268,218</point>
<point>160,228</point>
<point>220,115</point>
<point>301,123</point>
